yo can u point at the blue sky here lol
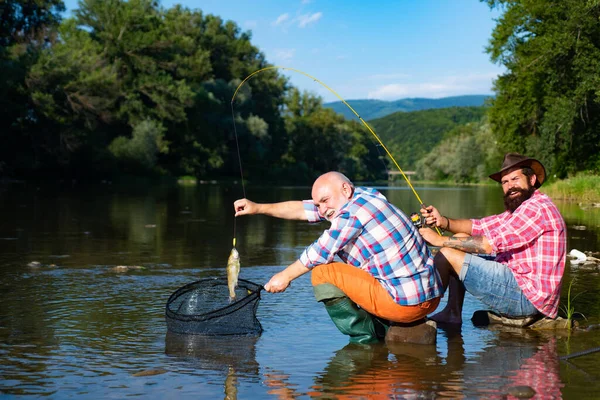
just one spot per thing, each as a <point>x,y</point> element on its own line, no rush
<point>384,50</point>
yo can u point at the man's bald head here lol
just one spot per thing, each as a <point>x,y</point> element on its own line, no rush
<point>333,177</point>
<point>330,192</point>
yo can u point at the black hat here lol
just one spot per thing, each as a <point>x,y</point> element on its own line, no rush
<point>514,160</point>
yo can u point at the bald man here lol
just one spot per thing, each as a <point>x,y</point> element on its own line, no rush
<point>387,274</point>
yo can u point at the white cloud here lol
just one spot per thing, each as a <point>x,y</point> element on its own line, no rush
<point>281,19</point>
<point>448,86</point>
<point>284,54</point>
<point>306,19</point>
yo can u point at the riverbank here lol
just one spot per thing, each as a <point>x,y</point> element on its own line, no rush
<point>583,188</point>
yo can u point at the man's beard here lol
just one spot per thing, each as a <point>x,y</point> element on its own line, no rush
<point>511,204</point>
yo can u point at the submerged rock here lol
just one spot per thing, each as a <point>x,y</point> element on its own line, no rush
<point>521,392</point>
<point>553,324</point>
<point>150,372</point>
<point>538,322</point>
<point>485,317</point>
<point>125,268</point>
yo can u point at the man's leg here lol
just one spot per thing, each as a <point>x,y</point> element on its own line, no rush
<point>490,282</point>
<point>363,289</point>
<point>350,319</point>
<point>449,263</point>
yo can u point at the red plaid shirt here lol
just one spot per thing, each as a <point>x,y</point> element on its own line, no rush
<point>532,242</point>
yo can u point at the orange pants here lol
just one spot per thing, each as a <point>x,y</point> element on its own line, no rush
<point>363,289</point>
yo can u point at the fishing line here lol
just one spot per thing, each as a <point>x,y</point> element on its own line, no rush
<point>351,109</point>
<point>237,143</point>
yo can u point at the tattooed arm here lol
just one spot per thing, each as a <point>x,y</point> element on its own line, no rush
<point>468,244</point>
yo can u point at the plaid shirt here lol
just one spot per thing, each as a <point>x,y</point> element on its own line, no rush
<point>374,235</point>
<point>532,242</point>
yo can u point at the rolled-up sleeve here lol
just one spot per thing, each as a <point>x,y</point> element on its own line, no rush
<point>311,212</point>
<point>343,230</point>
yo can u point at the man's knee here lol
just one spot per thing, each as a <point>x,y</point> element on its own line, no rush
<point>327,291</point>
<point>320,274</point>
<point>450,258</point>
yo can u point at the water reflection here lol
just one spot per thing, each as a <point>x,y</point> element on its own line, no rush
<point>513,363</point>
<point>515,358</point>
<point>214,352</point>
<point>233,355</point>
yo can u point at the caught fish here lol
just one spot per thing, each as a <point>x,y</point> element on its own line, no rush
<point>233,271</point>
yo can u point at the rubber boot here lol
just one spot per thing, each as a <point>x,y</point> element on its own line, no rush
<point>350,319</point>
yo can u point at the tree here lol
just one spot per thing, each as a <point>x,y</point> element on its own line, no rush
<point>26,27</point>
<point>321,140</point>
<point>547,104</point>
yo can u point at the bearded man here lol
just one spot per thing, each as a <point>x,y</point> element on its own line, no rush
<point>518,272</point>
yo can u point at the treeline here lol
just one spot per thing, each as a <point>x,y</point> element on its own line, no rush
<point>128,87</point>
<point>411,136</point>
<point>372,109</point>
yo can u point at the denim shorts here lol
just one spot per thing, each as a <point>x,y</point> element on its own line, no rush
<point>494,284</point>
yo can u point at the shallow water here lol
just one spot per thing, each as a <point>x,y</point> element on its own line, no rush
<point>72,325</point>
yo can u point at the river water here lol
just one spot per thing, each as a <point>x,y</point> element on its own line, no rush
<point>74,325</point>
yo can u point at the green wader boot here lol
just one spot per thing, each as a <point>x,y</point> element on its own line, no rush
<point>350,319</point>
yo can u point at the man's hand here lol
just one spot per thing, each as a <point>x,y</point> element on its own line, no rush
<point>278,283</point>
<point>432,237</point>
<point>433,217</point>
<point>245,207</point>
<point>281,280</point>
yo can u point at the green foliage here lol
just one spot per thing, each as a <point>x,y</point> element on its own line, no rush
<point>467,154</point>
<point>569,309</point>
<point>372,109</point>
<point>547,104</point>
<point>321,140</point>
<point>582,187</point>
<point>140,152</point>
<point>410,136</point>
<point>26,27</point>
<point>28,22</point>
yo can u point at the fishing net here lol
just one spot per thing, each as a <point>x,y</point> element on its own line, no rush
<point>203,308</point>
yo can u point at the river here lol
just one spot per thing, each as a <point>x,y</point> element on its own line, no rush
<point>74,325</point>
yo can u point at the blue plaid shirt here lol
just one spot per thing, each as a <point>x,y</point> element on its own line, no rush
<point>374,235</point>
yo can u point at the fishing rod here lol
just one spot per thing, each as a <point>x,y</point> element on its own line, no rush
<point>347,105</point>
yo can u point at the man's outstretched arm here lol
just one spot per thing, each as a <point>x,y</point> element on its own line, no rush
<point>286,209</point>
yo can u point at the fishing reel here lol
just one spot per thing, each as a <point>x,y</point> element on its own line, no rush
<point>416,220</point>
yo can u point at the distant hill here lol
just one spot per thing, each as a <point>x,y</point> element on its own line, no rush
<point>411,135</point>
<point>370,109</point>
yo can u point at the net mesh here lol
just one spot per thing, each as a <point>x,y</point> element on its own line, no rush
<point>203,308</point>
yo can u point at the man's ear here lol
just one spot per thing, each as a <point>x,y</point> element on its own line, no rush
<point>532,179</point>
<point>346,189</point>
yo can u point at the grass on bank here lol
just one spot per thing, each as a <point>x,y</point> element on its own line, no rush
<point>583,187</point>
